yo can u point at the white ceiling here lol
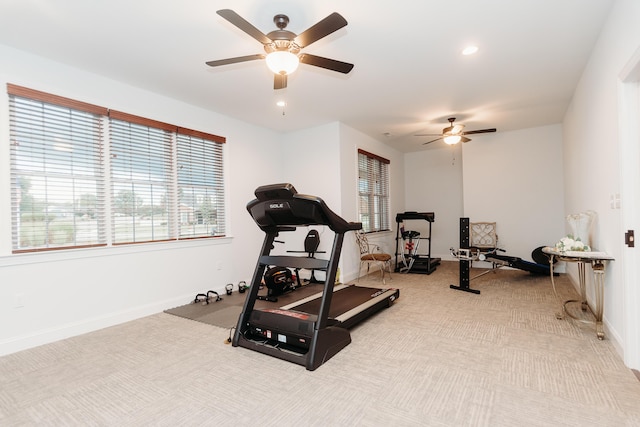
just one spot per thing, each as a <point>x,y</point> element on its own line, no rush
<point>409,75</point>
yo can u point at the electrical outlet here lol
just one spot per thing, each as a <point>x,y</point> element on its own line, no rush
<point>614,201</point>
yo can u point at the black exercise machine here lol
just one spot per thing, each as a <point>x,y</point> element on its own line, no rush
<point>519,263</point>
<point>311,331</point>
<point>466,255</point>
<point>408,260</point>
<point>279,280</point>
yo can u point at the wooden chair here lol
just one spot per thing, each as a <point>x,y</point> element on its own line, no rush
<point>372,254</point>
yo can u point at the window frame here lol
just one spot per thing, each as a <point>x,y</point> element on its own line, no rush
<point>106,143</point>
<point>373,192</point>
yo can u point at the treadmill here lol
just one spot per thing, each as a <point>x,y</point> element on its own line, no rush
<point>312,330</point>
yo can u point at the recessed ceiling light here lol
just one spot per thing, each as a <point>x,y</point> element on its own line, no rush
<point>470,50</point>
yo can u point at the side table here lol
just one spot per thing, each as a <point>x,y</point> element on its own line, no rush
<point>598,262</point>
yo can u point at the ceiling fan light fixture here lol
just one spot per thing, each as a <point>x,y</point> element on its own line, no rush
<point>452,139</point>
<point>282,62</point>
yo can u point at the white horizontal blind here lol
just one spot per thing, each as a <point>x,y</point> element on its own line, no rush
<point>59,176</point>
<point>141,175</point>
<point>201,202</point>
<point>373,191</point>
<point>57,187</point>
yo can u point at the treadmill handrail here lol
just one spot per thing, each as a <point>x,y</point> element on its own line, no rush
<point>294,262</point>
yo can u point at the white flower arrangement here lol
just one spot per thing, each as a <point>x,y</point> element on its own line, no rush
<point>568,243</point>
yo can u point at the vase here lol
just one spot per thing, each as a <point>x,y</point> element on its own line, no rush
<point>581,226</point>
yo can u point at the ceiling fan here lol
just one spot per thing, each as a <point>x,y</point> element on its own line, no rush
<point>454,134</point>
<point>283,47</point>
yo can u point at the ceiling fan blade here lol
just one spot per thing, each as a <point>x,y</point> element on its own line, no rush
<point>328,25</point>
<point>428,134</point>
<point>463,139</point>
<point>279,81</point>
<point>329,64</point>
<point>433,140</point>
<point>235,60</point>
<point>244,25</point>
<point>471,132</point>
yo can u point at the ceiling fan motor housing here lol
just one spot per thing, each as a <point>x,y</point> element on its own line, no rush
<point>282,39</point>
<point>283,44</point>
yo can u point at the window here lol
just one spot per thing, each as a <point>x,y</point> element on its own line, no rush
<point>373,191</point>
<point>200,186</point>
<point>57,177</point>
<point>141,179</point>
<point>164,182</point>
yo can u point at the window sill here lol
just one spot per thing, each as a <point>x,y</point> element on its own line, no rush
<point>71,254</point>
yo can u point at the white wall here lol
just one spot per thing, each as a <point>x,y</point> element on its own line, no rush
<point>515,179</point>
<point>77,291</point>
<point>433,183</point>
<point>309,160</point>
<point>251,153</point>
<point>512,178</point>
<point>591,166</point>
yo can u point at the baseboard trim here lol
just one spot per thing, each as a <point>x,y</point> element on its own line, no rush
<point>46,336</point>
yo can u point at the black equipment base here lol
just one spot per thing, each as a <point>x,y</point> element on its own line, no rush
<point>465,288</point>
<point>424,264</point>
<point>291,327</point>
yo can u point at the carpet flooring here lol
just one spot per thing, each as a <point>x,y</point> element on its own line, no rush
<point>437,357</point>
